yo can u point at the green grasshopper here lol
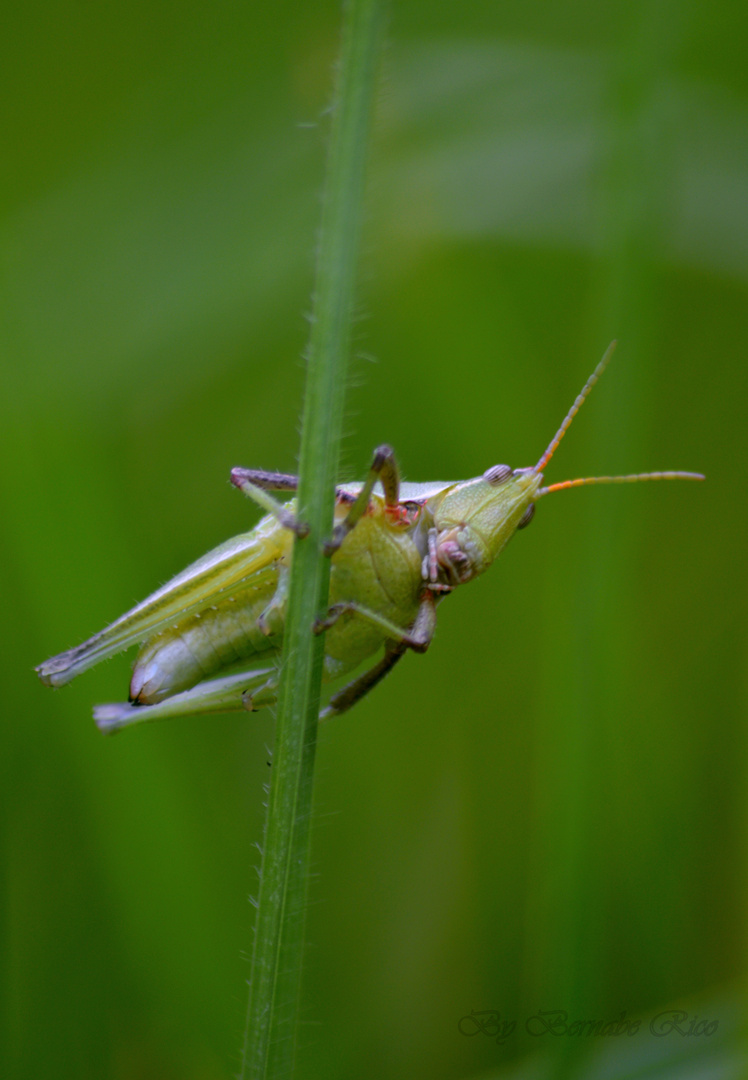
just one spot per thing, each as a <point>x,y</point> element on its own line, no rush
<point>397,550</point>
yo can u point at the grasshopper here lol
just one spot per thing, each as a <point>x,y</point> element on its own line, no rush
<point>211,637</point>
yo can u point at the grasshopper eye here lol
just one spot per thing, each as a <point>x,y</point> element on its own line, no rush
<point>527,517</point>
<point>497,474</point>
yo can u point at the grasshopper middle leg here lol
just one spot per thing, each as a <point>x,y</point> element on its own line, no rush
<point>383,468</point>
<point>347,697</point>
<point>418,637</point>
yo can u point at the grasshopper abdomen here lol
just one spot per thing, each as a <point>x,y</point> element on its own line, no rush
<point>203,644</point>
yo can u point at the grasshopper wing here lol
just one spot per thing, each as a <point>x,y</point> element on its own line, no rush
<point>411,493</point>
<point>249,555</point>
<point>421,493</point>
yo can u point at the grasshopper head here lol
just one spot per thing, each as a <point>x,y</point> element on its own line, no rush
<point>475,520</point>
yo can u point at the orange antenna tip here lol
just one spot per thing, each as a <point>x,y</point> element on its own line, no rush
<point>632,478</point>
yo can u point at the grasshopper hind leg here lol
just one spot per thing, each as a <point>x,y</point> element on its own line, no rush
<point>226,694</point>
<point>245,625</point>
<point>272,619</point>
<point>267,694</point>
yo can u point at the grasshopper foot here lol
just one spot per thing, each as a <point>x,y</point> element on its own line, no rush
<point>330,546</point>
<point>333,614</point>
<point>290,521</point>
<point>267,694</point>
<point>271,620</point>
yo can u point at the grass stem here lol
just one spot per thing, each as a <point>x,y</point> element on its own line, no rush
<point>275,979</point>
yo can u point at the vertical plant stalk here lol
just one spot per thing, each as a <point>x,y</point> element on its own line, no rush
<point>275,978</point>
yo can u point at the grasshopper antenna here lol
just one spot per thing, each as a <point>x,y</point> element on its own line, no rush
<point>582,480</point>
<point>630,479</point>
<point>575,408</point>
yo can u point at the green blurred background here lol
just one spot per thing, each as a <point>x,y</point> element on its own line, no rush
<point>548,810</point>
